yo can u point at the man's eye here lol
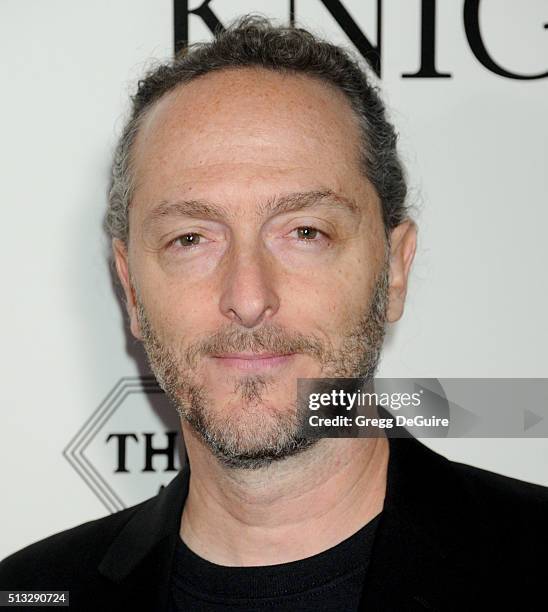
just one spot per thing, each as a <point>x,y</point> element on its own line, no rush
<point>187,240</point>
<point>308,233</point>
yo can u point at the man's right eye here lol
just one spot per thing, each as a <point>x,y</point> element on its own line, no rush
<point>187,240</point>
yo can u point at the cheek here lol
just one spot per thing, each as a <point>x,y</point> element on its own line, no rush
<point>175,309</point>
<point>330,301</point>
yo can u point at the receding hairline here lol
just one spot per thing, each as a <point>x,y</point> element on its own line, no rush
<point>254,43</point>
<point>148,112</point>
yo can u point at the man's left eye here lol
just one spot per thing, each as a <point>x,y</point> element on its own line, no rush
<point>308,233</point>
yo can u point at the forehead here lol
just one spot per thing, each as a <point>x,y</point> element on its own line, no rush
<point>246,129</point>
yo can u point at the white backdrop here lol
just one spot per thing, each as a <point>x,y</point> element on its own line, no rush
<point>476,147</point>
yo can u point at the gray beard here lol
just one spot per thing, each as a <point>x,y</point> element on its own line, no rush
<point>260,436</point>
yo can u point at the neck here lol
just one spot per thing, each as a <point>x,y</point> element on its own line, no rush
<point>289,510</point>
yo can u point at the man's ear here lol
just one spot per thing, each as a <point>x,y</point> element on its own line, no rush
<point>119,250</point>
<point>403,244</point>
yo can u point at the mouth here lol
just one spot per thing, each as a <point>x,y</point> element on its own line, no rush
<point>253,361</point>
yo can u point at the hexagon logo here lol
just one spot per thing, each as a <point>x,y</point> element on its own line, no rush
<point>131,446</point>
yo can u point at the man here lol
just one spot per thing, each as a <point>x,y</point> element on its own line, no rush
<point>259,230</point>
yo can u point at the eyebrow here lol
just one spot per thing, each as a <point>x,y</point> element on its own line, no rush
<point>274,206</point>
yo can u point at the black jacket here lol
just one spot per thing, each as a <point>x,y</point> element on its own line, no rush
<point>451,537</point>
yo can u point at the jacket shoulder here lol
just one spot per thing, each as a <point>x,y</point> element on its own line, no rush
<point>493,487</point>
<point>513,511</point>
<point>65,557</point>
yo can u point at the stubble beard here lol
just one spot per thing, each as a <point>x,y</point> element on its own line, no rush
<point>257,434</point>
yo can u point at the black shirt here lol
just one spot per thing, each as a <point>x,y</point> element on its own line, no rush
<point>329,581</point>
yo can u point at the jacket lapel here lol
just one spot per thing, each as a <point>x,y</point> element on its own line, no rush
<point>421,558</point>
<point>140,559</point>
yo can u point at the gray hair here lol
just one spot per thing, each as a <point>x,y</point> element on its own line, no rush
<point>253,41</point>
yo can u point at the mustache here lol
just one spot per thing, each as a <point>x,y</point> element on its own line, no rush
<point>271,338</point>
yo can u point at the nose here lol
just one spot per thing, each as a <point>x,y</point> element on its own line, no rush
<point>248,295</point>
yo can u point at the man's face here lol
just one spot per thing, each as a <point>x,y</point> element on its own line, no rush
<point>256,255</point>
